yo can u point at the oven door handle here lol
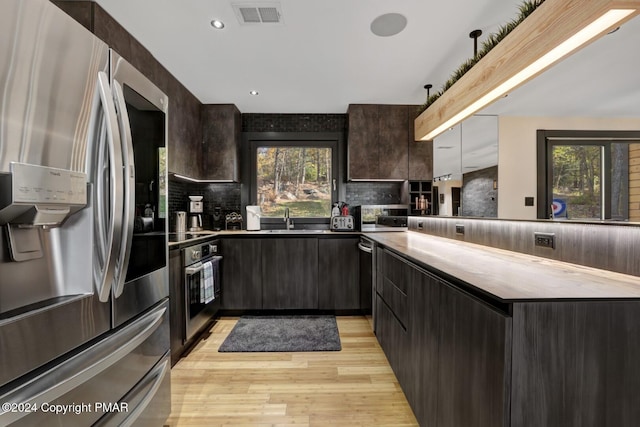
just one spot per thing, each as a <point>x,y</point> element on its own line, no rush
<point>196,268</point>
<point>364,248</point>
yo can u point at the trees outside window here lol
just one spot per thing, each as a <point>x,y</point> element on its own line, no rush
<point>298,178</point>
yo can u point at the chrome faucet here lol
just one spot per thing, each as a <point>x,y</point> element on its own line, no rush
<point>287,219</point>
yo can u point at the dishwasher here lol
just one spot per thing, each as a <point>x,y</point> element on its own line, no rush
<point>367,279</point>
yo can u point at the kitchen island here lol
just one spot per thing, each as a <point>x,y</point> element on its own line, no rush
<point>485,337</point>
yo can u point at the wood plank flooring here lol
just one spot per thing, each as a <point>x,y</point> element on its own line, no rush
<point>352,387</point>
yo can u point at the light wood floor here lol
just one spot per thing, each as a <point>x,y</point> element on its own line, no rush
<point>352,387</point>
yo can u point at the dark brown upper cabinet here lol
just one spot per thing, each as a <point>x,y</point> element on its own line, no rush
<point>381,146</point>
<point>420,152</point>
<point>221,131</point>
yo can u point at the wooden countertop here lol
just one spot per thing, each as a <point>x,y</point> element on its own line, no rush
<point>208,234</point>
<point>510,276</point>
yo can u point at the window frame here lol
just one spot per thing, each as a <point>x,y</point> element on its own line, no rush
<point>547,139</point>
<point>333,140</point>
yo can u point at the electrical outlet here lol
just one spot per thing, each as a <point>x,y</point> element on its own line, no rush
<point>545,240</point>
<point>459,229</point>
<point>420,225</point>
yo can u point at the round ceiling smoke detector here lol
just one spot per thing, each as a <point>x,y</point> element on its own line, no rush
<point>388,24</point>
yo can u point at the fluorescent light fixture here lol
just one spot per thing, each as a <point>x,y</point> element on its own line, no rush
<point>587,33</point>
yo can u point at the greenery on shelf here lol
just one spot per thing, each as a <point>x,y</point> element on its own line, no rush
<point>492,41</point>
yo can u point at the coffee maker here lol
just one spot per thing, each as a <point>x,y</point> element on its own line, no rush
<point>196,207</point>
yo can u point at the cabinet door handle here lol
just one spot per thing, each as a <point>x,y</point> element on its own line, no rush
<point>334,185</point>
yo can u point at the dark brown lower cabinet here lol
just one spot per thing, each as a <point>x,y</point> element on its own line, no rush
<point>338,274</point>
<point>451,356</point>
<point>394,339</point>
<point>576,363</point>
<point>466,360</point>
<point>242,274</point>
<point>177,320</point>
<point>474,362</point>
<point>290,273</point>
<point>424,324</point>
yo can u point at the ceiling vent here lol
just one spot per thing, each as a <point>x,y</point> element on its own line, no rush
<point>258,13</point>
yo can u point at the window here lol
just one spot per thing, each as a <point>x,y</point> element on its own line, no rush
<point>585,175</point>
<point>299,178</point>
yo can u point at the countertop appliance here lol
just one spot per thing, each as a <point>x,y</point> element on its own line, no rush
<point>181,222</point>
<point>201,285</point>
<point>83,295</point>
<point>375,218</point>
<point>253,218</point>
<point>342,223</point>
<point>196,208</point>
<point>367,278</point>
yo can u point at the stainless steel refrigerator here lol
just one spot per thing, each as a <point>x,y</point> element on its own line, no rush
<point>84,328</point>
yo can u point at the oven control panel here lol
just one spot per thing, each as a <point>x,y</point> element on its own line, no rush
<point>195,253</point>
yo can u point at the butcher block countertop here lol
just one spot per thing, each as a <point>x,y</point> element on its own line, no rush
<point>509,276</point>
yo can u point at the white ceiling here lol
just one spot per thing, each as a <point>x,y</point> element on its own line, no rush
<point>321,59</point>
<point>325,57</point>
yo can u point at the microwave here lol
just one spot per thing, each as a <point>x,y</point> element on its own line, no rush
<point>374,218</point>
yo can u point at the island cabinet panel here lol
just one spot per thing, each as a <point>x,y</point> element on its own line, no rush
<point>338,274</point>
<point>576,364</point>
<point>242,274</point>
<point>395,285</point>
<point>449,350</point>
<point>394,338</point>
<point>474,362</point>
<point>424,325</point>
<point>290,273</point>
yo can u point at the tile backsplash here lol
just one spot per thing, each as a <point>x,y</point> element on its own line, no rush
<point>374,193</point>
<point>224,195</point>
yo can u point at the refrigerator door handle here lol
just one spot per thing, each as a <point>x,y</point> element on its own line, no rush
<point>107,195</point>
<point>129,188</point>
<point>75,371</point>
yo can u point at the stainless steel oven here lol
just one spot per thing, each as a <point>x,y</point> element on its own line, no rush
<point>201,285</point>
<point>374,218</point>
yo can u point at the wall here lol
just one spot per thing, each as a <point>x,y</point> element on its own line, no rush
<point>479,198</point>
<point>517,156</point>
<point>444,187</point>
<point>607,247</point>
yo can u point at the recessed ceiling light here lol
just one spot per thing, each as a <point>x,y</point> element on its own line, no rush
<point>217,24</point>
<point>388,24</point>
<point>253,92</point>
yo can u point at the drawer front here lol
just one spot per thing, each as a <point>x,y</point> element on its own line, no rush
<point>397,301</point>
<point>395,282</point>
